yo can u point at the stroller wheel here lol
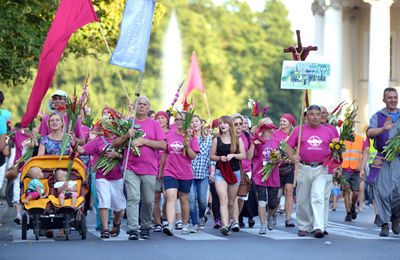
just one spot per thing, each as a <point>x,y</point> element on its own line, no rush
<point>36,225</point>
<point>67,226</point>
<point>24,226</point>
<point>83,227</point>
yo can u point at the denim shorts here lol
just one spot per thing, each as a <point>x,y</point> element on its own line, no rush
<point>218,177</point>
<point>181,185</point>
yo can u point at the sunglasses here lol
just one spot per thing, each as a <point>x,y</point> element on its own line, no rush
<point>178,120</point>
<point>238,124</point>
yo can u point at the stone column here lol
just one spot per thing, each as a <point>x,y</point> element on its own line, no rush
<point>318,12</point>
<point>379,53</point>
<point>330,31</point>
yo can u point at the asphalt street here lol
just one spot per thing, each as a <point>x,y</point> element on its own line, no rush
<point>346,240</point>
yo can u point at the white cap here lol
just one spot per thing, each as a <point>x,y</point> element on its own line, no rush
<point>60,93</point>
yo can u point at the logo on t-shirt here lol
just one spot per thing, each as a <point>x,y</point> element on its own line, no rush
<point>177,146</point>
<point>314,142</point>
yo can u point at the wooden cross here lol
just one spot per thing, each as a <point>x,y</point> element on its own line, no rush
<point>300,53</point>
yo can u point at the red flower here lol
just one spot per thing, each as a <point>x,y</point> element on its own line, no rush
<point>185,105</point>
<point>340,123</point>
<point>61,108</point>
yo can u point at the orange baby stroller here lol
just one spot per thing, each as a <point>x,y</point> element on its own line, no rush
<point>47,213</point>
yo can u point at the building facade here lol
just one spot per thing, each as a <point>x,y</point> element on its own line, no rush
<point>361,41</point>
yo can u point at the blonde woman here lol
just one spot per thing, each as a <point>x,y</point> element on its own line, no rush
<point>227,148</point>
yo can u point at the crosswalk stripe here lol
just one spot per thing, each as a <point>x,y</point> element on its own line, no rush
<point>199,236</point>
<point>274,234</point>
<point>30,237</point>
<point>355,234</point>
<point>330,223</point>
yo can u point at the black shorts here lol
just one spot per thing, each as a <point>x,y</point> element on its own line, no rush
<point>288,178</point>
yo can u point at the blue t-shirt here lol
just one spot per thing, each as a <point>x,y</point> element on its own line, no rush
<point>395,116</point>
<point>35,183</point>
<point>3,126</point>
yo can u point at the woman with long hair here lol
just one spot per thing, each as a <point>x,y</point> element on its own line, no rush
<point>176,170</point>
<point>227,149</point>
<point>267,191</point>
<point>201,166</point>
<point>51,144</point>
<point>286,172</point>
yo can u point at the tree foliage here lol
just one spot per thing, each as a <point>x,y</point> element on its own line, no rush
<point>240,53</point>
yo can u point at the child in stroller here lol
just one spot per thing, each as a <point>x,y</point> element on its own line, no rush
<point>65,189</point>
<point>35,187</point>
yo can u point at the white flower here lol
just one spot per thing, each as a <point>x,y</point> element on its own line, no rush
<point>250,103</point>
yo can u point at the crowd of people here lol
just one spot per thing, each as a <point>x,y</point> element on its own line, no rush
<point>182,169</point>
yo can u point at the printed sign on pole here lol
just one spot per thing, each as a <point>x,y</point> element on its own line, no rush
<point>304,75</point>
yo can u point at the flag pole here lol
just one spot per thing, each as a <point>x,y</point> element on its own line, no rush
<point>133,123</point>
<point>208,109</point>
<point>119,74</point>
<point>300,133</point>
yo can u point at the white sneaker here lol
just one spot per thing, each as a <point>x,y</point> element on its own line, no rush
<point>178,225</point>
<point>263,230</point>
<point>194,228</point>
<point>185,231</point>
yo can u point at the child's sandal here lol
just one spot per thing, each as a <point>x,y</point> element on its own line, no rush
<point>115,233</point>
<point>105,234</point>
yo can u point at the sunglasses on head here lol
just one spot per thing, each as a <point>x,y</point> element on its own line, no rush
<point>314,107</point>
<point>238,124</point>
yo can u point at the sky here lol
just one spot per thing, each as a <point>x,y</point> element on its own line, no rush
<point>300,16</point>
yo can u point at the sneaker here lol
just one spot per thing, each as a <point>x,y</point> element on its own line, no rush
<point>318,233</point>
<point>270,223</point>
<point>263,230</point>
<point>384,231</point>
<point>133,235</point>
<point>145,233</point>
<point>289,223</point>
<point>235,227</point>
<point>225,231</point>
<point>396,225</point>
<point>326,233</point>
<point>202,223</point>
<point>274,218</point>
<point>157,228</point>
<point>251,222</point>
<point>168,230</point>
<point>217,224</point>
<point>178,225</point>
<point>348,217</point>
<point>353,213</point>
<point>302,233</point>
<point>194,229</point>
<point>185,231</point>
<point>164,223</point>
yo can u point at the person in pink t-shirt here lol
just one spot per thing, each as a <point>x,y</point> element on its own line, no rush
<point>141,171</point>
<point>176,171</point>
<point>110,186</point>
<point>286,173</point>
<point>259,152</point>
<point>311,177</point>
<point>59,99</point>
<point>163,118</point>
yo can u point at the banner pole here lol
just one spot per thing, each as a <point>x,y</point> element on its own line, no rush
<point>133,123</point>
<point>119,74</point>
<point>208,109</point>
<point>300,133</point>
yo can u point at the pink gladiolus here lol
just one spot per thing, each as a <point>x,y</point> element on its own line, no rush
<point>336,140</point>
<point>264,111</point>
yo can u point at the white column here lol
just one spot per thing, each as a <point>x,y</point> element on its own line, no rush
<point>332,51</point>
<point>379,53</point>
<point>318,12</point>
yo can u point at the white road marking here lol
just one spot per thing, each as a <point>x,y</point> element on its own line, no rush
<point>274,234</point>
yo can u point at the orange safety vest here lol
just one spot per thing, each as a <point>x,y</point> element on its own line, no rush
<point>352,155</point>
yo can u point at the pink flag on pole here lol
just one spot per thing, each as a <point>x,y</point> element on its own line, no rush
<point>194,79</point>
<point>70,16</point>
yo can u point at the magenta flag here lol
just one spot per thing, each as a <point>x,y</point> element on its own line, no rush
<point>70,16</point>
<point>194,79</point>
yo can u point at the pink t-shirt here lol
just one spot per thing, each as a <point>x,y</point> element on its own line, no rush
<point>95,147</point>
<point>86,131</point>
<point>18,140</point>
<point>177,165</point>
<point>246,164</point>
<point>159,153</point>
<point>44,128</point>
<point>314,146</point>
<point>333,129</point>
<point>260,155</point>
<point>147,162</point>
<point>280,135</point>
